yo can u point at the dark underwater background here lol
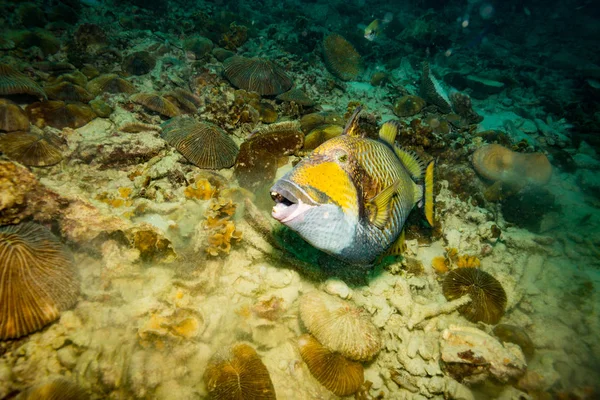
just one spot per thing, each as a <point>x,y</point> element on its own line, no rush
<point>139,141</point>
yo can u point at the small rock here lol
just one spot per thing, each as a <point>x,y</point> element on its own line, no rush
<point>67,356</point>
<point>482,88</point>
<point>338,288</point>
<point>585,161</point>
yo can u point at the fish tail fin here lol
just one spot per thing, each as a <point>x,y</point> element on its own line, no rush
<point>428,193</point>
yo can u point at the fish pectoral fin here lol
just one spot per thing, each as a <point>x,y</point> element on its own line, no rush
<point>379,207</point>
<point>398,247</point>
<point>388,132</point>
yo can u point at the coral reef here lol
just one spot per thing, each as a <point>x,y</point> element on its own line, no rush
<point>409,105</point>
<point>39,279</point>
<point>259,156</point>
<point>67,91</point>
<point>341,58</point>
<point>56,389</point>
<point>297,96</point>
<point>184,99</point>
<point>488,298</point>
<point>238,373</point>
<point>320,135</point>
<point>31,149</point>
<point>138,63</point>
<point>156,103</point>
<point>339,375</point>
<point>462,105</point>
<point>256,74</point>
<point>219,228</point>
<point>12,117</point>
<point>59,114</point>
<point>340,326</point>
<point>14,82</point>
<point>202,143</point>
<point>110,83</point>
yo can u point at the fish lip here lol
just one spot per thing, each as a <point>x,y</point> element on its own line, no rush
<point>291,192</point>
<point>288,206</point>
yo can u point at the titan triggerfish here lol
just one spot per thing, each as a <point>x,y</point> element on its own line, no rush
<point>352,195</point>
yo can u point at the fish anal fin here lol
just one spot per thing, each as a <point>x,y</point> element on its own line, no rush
<point>388,132</point>
<point>398,247</point>
<point>428,193</point>
<point>411,162</point>
<point>379,207</point>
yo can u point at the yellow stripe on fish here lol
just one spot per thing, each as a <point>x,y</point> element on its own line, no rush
<point>330,178</point>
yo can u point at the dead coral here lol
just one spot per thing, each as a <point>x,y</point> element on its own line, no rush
<point>488,298</point>
<point>258,159</point>
<point>41,279</point>
<point>59,114</point>
<point>156,103</point>
<point>137,127</point>
<point>14,82</point>
<point>220,230</point>
<point>341,58</point>
<point>256,74</point>
<point>202,143</point>
<point>12,117</point>
<point>31,149</point>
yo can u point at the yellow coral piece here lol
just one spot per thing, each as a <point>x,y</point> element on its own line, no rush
<point>113,201</point>
<point>125,192</point>
<point>440,264</point>
<point>222,230</point>
<point>187,328</point>
<point>467,262</point>
<point>201,190</point>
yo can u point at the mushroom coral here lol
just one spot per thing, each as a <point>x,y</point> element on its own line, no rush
<point>497,163</point>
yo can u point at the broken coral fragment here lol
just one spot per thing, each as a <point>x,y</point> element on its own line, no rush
<point>471,356</point>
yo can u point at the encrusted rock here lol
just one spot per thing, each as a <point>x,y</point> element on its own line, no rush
<point>471,356</point>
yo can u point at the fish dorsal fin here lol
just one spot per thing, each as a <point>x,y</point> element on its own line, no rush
<point>351,128</point>
<point>411,161</point>
<point>379,207</point>
<point>388,132</point>
<point>398,247</point>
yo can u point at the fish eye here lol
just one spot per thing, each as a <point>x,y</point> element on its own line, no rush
<point>342,157</point>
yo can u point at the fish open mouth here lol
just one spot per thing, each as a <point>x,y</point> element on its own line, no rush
<point>287,206</point>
